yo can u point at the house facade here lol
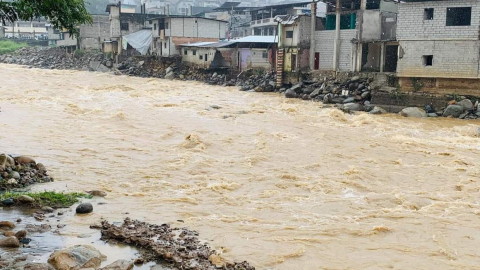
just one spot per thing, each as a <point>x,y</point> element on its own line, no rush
<point>439,46</point>
<point>169,32</point>
<point>359,35</point>
<point>92,36</point>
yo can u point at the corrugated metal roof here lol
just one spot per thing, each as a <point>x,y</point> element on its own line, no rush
<point>207,44</point>
<point>286,19</point>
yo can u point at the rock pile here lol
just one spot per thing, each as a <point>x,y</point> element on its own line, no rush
<point>22,171</point>
<point>350,93</point>
<point>179,247</point>
<point>464,109</point>
<point>260,82</point>
<point>55,58</point>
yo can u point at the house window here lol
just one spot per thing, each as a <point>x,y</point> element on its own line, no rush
<point>165,45</point>
<point>428,60</point>
<point>206,57</point>
<point>185,51</point>
<point>428,14</point>
<point>460,16</point>
<point>124,26</point>
<point>289,34</point>
<point>200,57</point>
<point>265,55</point>
<point>195,53</point>
<point>166,25</point>
<point>154,26</point>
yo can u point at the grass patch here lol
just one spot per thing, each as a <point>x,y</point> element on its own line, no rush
<point>49,198</point>
<point>8,46</point>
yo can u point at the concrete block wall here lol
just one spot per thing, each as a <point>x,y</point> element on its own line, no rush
<point>92,35</point>
<point>324,45</point>
<point>412,26</point>
<point>451,58</point>
<point>197,27</point>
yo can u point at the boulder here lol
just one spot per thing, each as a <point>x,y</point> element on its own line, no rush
<point>354,79</point>
<point>353,107</point>
<point>297,87</point>
<point>453,110</point>
<point>413,112</point>
<point>15,175</point>
<point>37,266</point>
<point>21,234</point>
<point>349,100</point>
<point>290,93</point>
<point>119,265</point>
<point>3,162</point>
<point>24,160</point>
<point>337,100</point>
<point>25,199</point>
<point>11,242</point>
<point>76,257</point>
<point>84,208</point>
<point>7,225</point>
<point>432,115</point>
<point>8,202</point>
<point>316,92</point>
<point>170,75</point>
<point>377,110</point>
<point>466,104</point>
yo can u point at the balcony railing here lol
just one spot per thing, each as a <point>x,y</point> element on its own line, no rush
<point>263,22</point>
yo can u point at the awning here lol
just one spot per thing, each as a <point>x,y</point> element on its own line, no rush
<point>140,40</point>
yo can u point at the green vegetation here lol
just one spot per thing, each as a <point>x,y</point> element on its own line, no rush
<point>9,46</point>
<point>49,198</point>
<point>79,53</point>
<point>65,14</point>
<point>417,84</point>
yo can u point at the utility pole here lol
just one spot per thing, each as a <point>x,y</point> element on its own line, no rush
<point>336,52</point>
<point>313,24</point>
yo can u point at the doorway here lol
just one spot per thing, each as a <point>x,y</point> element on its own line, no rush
<point>391,58</point>
<point>317,61</point>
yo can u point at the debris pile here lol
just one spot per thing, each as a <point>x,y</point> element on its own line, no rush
<point>178,247</point>
<point>259,82</point>
<point>20,172</point>
<point>56,58</point>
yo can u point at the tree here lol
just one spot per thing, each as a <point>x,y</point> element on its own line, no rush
<point>62,14</point>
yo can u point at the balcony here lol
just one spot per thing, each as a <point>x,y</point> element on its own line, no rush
<point>263,22</point>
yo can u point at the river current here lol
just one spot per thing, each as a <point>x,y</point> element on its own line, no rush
<point>284,184</point>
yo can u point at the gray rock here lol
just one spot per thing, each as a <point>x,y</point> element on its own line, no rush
<point>15,175</point>
<point>315,93</point>
<point>354,79</point>
<point>297,87</point>
<point>140,63</point>
<point>377,110</point>
<point>413,112</point>
<point>432,115</point>
<point>76,257</point>
<point>337,100</point>
<point>365,95</point>
<point>466,104</point>
<point>349,100</point>
<point>84,208</point>
<point>169,69</point>
<point>25,199</point>
<point>290,93</point>
<point>170,76</point>
<point>353,107</point>
<point>119,265</point>
<point>453,110</point>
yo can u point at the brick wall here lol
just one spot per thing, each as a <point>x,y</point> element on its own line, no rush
<point>324,44</point>
<point>411,23</point>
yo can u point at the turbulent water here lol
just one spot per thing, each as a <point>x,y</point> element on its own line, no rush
<point>284,184</point>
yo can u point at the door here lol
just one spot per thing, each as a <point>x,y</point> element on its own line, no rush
<point>317,61</point>
<point>294,62</point>
<point>391,58</point>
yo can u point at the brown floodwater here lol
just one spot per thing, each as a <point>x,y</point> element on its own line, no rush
<point>284,184</point>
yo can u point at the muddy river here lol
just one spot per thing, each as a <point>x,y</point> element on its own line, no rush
<point>284,184</point>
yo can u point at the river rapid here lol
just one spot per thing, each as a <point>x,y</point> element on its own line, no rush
<point>284,184</point>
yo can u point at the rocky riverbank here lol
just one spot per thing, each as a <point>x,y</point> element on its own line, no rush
<point>348,91</point>
<point>21,171</point>
<point>32,227</point>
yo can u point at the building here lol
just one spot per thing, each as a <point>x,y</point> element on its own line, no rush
<point>123,24</point>
<point>439,46</point>
<point>263,19</point>
<point>27,30</point>
<point>93,35</point>
<point>159,7</point>
<point>253,52</point>
<point>294,32</point>
<point>53,35</point>
<point>359,35</point>
<point>169,32</point>
<point>184,7</point>
<point>238,16</point>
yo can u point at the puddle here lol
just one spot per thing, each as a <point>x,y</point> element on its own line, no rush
<point>45,243</point>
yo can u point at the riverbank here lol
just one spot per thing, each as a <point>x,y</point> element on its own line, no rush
<point>375,93</point>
